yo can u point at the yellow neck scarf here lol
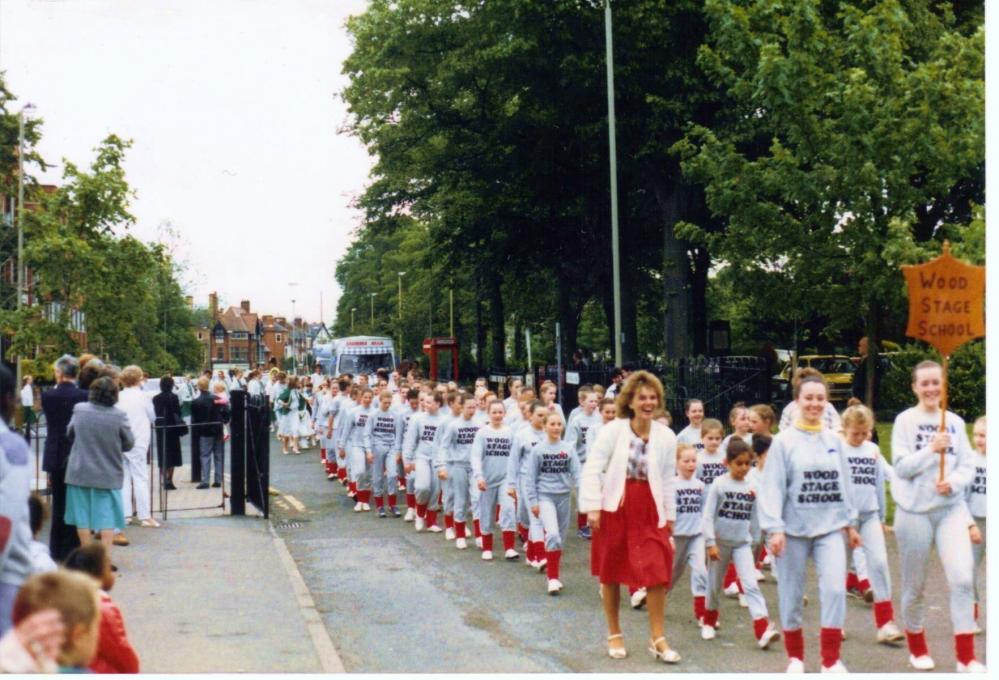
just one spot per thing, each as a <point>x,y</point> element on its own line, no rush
<point>802,425</point>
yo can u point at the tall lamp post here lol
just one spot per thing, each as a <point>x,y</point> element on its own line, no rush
<point>612,136</point>
<point>294,339</point>
<point>20,219</point>
<point>373,311</point>
<point>401,274</point>
<point>352,310</point>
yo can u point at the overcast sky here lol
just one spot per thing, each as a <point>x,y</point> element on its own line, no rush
<point>231,107</point>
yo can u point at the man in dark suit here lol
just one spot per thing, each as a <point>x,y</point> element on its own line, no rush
<point>207,417</point>
<point>57,404</point>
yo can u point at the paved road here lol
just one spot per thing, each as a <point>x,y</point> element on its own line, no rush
<point>397,601</point>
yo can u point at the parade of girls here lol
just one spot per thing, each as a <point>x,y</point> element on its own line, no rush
<point>706,509</point>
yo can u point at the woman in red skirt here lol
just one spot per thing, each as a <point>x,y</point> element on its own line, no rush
<point>627,493</point>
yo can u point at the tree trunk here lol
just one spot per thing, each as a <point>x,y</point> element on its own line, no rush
<point>873,349</point>
<point>672,202</point>
<point>699,300</point>
<point>480,332</point>
<point>519,353</point>
<point>497,323</point>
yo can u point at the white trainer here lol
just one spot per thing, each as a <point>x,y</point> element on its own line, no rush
<point>769,635</point>
<point>975,666</point>
<point>638,598</point>
<point>743,602</point>
<point>890,633</point>
<point>541,564</point>
<point>419,524</point>
<point>511,554</point>
<point>410,515</point>
<point>449,534</point>
<point>366,508</point>
<point>795,665</point>
<point>358,506</point>
<point>478,543</point>
<point>487,555</point>
<point>554,586</point>
<point>922,663</point>
<point>760,576</point>
<point>460,544</point>
<point>837,667</point>
<point>707,632</point>
<point>435,529</point>
<point>732,590</point>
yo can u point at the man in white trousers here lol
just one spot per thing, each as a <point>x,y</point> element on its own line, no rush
<point>138,406</point>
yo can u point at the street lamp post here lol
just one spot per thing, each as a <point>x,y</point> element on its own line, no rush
<point>612,136</point>
<point>373,311</point>
<point>352,310</point>
<point>20,219</point>
<point>401,274</point>
<point>451,306</point>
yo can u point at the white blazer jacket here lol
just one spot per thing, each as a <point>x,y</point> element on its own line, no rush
<point>602,483</point>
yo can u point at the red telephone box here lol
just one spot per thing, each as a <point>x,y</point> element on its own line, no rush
<point>439,350</point>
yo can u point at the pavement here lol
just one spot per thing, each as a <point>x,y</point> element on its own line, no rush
<point>396,601</point>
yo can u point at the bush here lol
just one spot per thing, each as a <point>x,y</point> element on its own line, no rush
<point>966,388</point>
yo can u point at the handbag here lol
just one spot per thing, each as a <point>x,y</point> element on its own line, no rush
<point>179,425</point>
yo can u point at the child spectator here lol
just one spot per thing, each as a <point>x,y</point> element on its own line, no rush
<point>74,596</point>
<point>41,560</point>
<point>115,653</point>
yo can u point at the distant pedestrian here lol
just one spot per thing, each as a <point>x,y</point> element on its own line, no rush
<point>207,420</point>
<point>170,427</point>
<point>57,405</point>
<point>95,474</point>
<point>138,406</point>
<point>28,405</point>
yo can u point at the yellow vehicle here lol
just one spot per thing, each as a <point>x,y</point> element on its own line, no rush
<point>837,369</point>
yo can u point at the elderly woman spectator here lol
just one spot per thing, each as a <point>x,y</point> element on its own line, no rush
<point>627,492</point>
<point>57,405</point>
<point>170,427</point>
<point>15,482</point>
<point>94,477</point>
<point>138,406</point>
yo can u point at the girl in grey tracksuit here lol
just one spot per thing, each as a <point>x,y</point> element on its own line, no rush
<point>453,452</point>
<point>407,411</point>
<point>805,504</point>
<point>383,445</point>
<point>930,511</point>
<point>977,505</point>
<point>728,526</point>
<point>688,539</point>
<point>418,451</point>
<point>552,473</point>
<point>352,439</point>
<point>868,475</point>
<point>490,455</point>
<point>577,433</point>
<point>516,476</point>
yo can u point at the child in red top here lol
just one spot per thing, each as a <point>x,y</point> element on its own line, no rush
<point>115,653</point>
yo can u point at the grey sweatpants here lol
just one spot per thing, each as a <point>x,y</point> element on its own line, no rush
<point>447,489</point>
<point>488,500</point>
<point>458,475</point>
<point>828,551</point>
<point>745,567</point>
<point>917,533</point>
<point>211,449</point>
<point>358,468</point>
<point>978,551</point>
<point>535,530</point>
<point>875,556</point>
<point>383,481</point>
<point>554,510</point>
<point>690,552</point>
<point>426,485</point>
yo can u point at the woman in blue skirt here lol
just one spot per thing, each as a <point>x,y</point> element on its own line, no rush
<point>94,475</point>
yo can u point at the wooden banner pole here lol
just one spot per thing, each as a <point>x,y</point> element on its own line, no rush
<point>943,411</point>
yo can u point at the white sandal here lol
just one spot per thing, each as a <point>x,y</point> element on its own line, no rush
<point>616,652</point>
<point>668,655</point>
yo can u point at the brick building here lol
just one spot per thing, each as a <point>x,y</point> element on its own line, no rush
<point>239,337</point>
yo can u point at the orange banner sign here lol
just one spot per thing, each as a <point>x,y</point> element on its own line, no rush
<point>946,301</point>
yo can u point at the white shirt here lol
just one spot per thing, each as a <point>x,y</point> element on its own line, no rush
<point>139,408</point>
<point>27,396</point>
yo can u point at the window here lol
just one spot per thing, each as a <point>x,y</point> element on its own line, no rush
<point>238,335</point>
<point>219,339</point>
<point>201,336</point>
<point>277,337</point>
<point>220,356</point>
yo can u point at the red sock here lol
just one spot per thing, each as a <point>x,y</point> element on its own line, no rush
<point>366,495</point>
<point>760,626</point>
<point>459,529</point>
<point>830,640</point>
<point>711,617</point>
<point>352,486</point>
<point>794,644</point>
<point>487,542</point>
<point>539,551</point>
<point>730,576</point>
<point>917,643</point>
<point>449,521</point>
<point>852,582</point>
<point>379,502</point>
<point>554,557</point>
<point>522,530</point>
<point>964,648</point>
<point>402,479</point>
<point>421,509</point>
<point>698,607</point>
<point>391,501</point>
<point>476,526</point>
<point>509,538</point>
<point>411,500</point>
<point>322,454</point>
<point>529,551</point>
<point>580,520</point>
<point>431,518</point>
<point>864,585</point>
<point>341,473</point>
<point>883,613</point>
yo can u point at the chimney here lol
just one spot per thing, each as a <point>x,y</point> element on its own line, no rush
<point>189,301</point>
<point>245,305</point>
<point>213,306</point>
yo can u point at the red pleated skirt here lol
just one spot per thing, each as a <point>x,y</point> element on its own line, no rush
<point>629,548</point>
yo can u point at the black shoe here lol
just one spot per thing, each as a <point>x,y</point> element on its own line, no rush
<point>395,512</point>
<point>169,486</point>
<point>381,512</point>
<point>216,485</point>
<point>203,485</point>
